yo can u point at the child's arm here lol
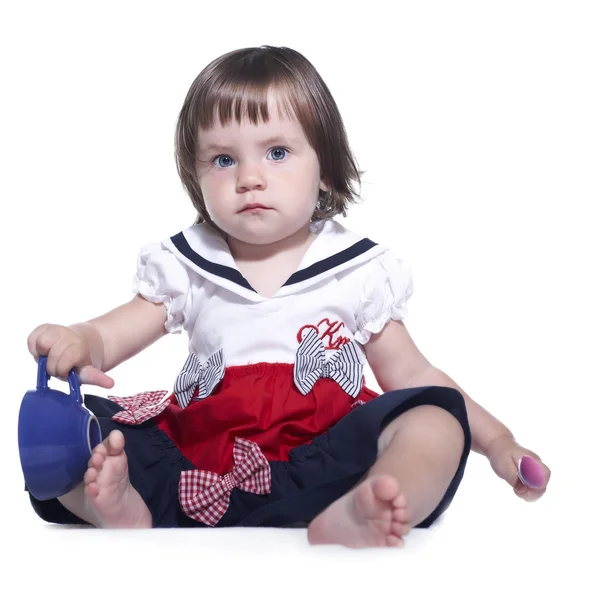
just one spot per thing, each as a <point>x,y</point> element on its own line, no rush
<point>397,363</point>
<point>99,345</point>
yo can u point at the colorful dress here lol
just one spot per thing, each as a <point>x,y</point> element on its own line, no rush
<point>269,419</point>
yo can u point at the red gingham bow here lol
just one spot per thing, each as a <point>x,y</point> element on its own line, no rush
<point>205,496</point>
<point>140,407</point>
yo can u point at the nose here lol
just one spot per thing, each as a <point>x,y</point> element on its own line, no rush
<point>250,176</point>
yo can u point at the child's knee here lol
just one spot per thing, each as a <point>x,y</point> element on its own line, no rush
<point>429,424</point>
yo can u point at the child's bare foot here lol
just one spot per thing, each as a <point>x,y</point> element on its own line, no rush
<point>110,499</point>
<point>373,514</point>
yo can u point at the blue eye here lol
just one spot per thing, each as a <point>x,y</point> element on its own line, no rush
<point>224,160</point>
<point>278,153</point>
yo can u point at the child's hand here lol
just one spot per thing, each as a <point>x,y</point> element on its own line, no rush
<point>504,455</point>
<point>66,349</point>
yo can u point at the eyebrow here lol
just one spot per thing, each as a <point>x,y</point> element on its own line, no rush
<point>276,140</point>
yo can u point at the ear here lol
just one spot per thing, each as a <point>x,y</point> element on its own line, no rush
<point>324,186</point>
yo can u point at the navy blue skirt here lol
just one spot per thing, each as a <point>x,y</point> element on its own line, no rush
<point>316,474</point>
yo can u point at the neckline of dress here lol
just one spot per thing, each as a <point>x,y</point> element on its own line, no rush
<point>314,227</point>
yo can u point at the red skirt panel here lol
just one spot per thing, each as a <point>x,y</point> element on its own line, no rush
<point>260,403</point>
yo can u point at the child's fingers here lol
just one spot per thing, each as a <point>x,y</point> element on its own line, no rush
<point>32,339</point>
<point>49,341</point>
<point>72,354</point>
<point>41,340</point>
<point>65,351</point>
<point>531,494</point>
<point>56,365</point>
<point>92,376</point>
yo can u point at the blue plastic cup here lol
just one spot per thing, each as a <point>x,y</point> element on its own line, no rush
<point>57,434</point>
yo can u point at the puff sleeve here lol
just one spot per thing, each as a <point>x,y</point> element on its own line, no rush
<point>385,291</point>
<point>162,278</point>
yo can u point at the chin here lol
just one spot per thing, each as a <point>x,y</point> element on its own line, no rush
<point>260,233</point>
<point>258,238</point>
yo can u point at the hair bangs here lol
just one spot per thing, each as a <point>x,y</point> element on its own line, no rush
<point>244,96</point>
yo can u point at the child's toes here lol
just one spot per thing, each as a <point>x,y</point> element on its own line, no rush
<point>92,489</point>
<point>115,442</point>
<point>397,528</point>
<point>399,501</point>
<point>400,514</point>
<point>90,476</point>
<point>395,541</point>
<point>97,459</point>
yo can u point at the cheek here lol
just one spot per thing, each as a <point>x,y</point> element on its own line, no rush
<point>211,187</point>
<point>306,178</point>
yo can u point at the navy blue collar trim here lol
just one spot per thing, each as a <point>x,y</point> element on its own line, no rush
<point>331,262</point>
<point>182,245</point>
<point>235,276</point>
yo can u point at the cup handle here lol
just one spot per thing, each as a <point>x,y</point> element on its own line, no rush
<point>43,378</point>
<point>42,374</point>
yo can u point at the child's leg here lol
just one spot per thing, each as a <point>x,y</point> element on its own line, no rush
<point>106,497</point>
<point>419,454</point>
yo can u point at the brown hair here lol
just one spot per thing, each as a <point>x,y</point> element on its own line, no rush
<point>236,85</point>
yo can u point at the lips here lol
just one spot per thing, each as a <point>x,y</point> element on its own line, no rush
<point>254,206</point>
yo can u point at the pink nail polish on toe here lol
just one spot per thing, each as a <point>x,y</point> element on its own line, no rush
<point>530,472</point>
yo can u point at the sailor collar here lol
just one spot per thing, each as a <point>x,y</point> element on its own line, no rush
<point>334,249</point>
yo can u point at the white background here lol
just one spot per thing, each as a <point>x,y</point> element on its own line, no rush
<point>476,123</point>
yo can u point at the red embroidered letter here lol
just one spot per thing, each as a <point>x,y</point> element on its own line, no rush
<point>326,334</point>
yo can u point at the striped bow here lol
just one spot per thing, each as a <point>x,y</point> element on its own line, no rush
<point>195,375</point>
<point>344,366</point>
<point>205,496</point>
